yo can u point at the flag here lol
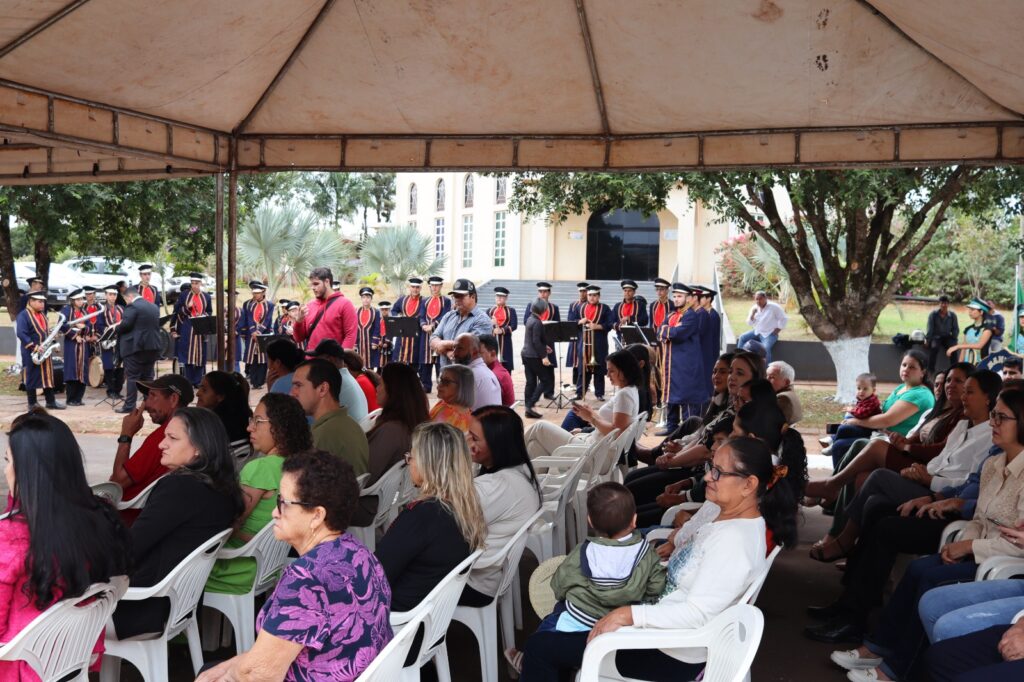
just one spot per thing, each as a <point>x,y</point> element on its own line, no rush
<point>1017,342</point>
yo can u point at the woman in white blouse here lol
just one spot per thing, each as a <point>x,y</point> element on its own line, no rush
<point>706,575</point>
<point>620,412</point>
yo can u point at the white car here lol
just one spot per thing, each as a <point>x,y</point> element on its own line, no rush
<point>97,271</point>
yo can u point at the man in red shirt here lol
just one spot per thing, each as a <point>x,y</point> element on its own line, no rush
<point>161,398</point>
<point>330,315</point>
<point>489,354</point>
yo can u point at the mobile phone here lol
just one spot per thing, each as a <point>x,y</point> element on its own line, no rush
<point>998,522</point>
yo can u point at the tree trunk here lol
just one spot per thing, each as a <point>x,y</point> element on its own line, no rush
<point>7,275</point>
<point>850,356</point>
<point>42,253</point>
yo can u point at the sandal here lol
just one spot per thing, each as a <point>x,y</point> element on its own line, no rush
<point>515,660</point>
<point>818,552</point>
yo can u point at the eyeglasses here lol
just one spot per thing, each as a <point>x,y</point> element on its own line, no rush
<point>446,382</point>
<point>258,420</point>
<point>408,458</point>
<point>717,472</point>
<point>281,503</point>
<point>998,417</point>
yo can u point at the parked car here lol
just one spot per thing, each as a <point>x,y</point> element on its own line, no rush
<point>97,271</point>
<point>174,283</point>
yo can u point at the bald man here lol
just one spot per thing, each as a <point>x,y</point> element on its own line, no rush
<point>467,352</point>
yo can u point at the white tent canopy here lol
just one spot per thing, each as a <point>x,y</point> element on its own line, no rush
<point>125,89</point>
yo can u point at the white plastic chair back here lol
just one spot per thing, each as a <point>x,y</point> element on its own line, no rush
<point>606,455</point>
<point>270,554</point>
<point>951,532</point>
<point>386,489</point>
<point>750,596</point>
<point>510,555</point>
<point>58,643</point>
<point>362,480</point>
<point>670,514</point>
<point>406,493</point>
<point>109,491</point>
<point>387,666</point>
<point>367,422</point>
<point>241,452</point>
<point>139,501</point>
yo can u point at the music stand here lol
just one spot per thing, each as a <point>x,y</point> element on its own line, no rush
<point>164,319</point>
<point>555,333</point>
<point>264,340</point>
<point>204,325</point>
<point>632,334</point>
<point>402,327</point>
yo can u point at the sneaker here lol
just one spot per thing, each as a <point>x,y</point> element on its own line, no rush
<point>869,675</point>
<point>827,451</point>
<point>825,441</point>
<point>852,660</point>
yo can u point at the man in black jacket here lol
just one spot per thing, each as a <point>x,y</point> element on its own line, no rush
<point>942,333</point>
<point>138,342</point>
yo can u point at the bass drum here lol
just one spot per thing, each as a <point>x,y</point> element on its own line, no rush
<point>95,374</point>
<point>167,345</point>
<point>58,374</point>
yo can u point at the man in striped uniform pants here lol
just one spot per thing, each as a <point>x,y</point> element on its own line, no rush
<point>504,321</point>
<point>368,329</point>
<point>256,318</point>
<point>434,308</point>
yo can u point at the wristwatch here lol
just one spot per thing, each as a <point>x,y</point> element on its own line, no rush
<point>124,439</point>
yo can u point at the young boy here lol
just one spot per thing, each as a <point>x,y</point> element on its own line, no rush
<point>616,568</point>
<point>867,405</point>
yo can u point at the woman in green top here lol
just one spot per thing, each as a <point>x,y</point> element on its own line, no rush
<point>277,428</point>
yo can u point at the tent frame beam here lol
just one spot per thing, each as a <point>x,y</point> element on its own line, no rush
<point>40,27</point>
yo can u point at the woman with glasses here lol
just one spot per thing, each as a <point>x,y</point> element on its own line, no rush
<point>328,616</point>
<point>455,392</point>
<point>892,651</point>
<point>198,499</point>
<point>707,573</point>
<point>278,429</point>
<point>440,528</point>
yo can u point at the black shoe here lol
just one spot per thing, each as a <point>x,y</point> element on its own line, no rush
<point>55,406</point>
<point>549,397</point>
<point>839,630</point>
<point>124,410</point>
<point>75,403</point>
<point>828,612</point>
<point>532,414</point>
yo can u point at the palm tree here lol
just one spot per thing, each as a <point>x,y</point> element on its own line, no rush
<point>397,253</point>
<point>284,242</point>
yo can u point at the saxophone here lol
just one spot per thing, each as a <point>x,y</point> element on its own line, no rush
<point>45,349</point>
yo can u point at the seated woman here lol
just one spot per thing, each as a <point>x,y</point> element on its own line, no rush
<point>900,452</point>
<point>618,413</point>
<point>642,353</point>
<point>506,486</point>
<point>440,528</point>
<point>891,651</point>
<point>198,499</point>
<point>967,445</point>
<point>367,381</point>
<point>227,395</point>
<point>403,408</point>
<point>278,428</point>
<point>902,409</point>
<point>59,538</point>
<point>706,575</point>
<point>315,621</point>
<point>977,336</point>
<point>455,395</point>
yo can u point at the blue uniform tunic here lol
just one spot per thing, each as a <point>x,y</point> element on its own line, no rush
<point>32,328</point>
<point>76,354</point>
<point>684,360</point>
<point>191,347</point>
<point>508,321</point>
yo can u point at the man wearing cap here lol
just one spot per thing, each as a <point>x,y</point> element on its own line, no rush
<point>595,322</point>
<point>147,290</point>
<point>978,336</point>
<point>552,314</point>
<point>386,344</point>
<point>767,319</point>
<point>32,328</point>
<point>77,347</point>
<point>368,329</point>
<point>412,349</point>
<point>503,321</point>
<point>161,398</point>
<point>316,385</point>
<point>350,395</point>
<point>434,308</point>
<point>34,284</point>
<point>631,310</point>
<point>684,387</point>
<point>138,343</point>
<point>711,334</point>
<point>91,304</point>
<point>256,318</point>
<point>657,317</point>
<point>191,346</point>
<point>465,317</point>
<point>283,325</point>
<point>574,316</point>
<point>330,315</point>
<point>942,331</point>
<point>113,375</point>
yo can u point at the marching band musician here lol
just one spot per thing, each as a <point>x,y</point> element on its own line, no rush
<point>191,346</point>
<point>256,318</point>
<point>283,323</point>
<point>368,326</point>
<point>32,329</point>
<point>574,316</point>
<point>504,322</point>
<point>631,310</point>
<point>113,376</point>
<point>78,339</point>
<point>384,307</point>
<point>657,316</point>
<point>413,350</point>
<point>595,322</point>
<point>147,290</point>
<point>683,371</point>
<point>434,308</point>
<point>551,314</point>
<point>711,336</point>
<point>91,305</point>
<point>34,284</point>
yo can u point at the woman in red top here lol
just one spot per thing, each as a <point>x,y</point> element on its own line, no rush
<point>368,381</point>
<point>59,538</point>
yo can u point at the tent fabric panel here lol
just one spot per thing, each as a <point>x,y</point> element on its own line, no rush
<point>194,61</point>
<point>735,150</point>
<point>302,153</point>
<point>142,133</point>
<point>981,41</point>
<point>867,146</point>
<point>385,153</point>
<point>14,160</point>
<point>419,67</point>
<point>18,17</point>
<point>193,144</point>
<point>23,109</point>
<point>470,153</point>
<point>561,153</point>
<point>963,143</point>
<point>654,152</point>
<point>1013,142</point>
<point>80,120</point>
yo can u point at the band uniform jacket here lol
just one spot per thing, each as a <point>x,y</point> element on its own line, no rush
<point>110,317</point>
<point>76,353</point>
<point>32,328</point>
<point>256,318</point>
<point>368,333</point>
<point>191,346</point>
<point>504,317</point>
<point>683,371</point>
<point>414,350</point>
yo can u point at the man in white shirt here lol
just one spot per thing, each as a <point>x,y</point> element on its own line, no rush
<point>467,352</point>
<point>767,319</point>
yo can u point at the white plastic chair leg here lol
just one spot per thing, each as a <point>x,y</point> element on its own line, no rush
<point>505,612</point>
<point>444,672</point>
<point>517,601</point>
<point>110,668</point>
<point>195,650</point>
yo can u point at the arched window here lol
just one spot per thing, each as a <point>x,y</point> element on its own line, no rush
<point>412,199</point>
<point>467,192</point>
<point>440,195</point>
<point>499,191</point>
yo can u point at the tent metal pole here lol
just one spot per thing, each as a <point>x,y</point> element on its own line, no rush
<point>218,294</point>
<point>232,249</point>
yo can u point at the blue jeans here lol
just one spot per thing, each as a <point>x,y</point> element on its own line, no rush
<point>573,421</point>
<point>767,341</point>
<point>956,610</point>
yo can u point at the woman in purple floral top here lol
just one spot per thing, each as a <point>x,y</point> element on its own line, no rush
<point>328,616</point>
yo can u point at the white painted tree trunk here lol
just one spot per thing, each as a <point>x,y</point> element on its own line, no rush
<point>850,356</point>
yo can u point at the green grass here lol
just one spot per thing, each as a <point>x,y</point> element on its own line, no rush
<point>819,409</point>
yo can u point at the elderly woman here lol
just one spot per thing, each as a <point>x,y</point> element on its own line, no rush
<point>535,359</point>
<point>440,528</point>
<point>278,429</point>
<point>328,617</point>
<point>456,393</point>
<point>782,375</point>
<point>707,573</point>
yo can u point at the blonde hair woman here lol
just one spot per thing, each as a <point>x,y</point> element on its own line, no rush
<point>442,526</point>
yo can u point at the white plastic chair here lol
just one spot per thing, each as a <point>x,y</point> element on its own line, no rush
<point>271,555</point>
<point>993,568</point>
<point>139,501</point>
<point>58,643</point>
<point>731,640</point>
<point>482,620</point>
<point>670,514</point>
<point>750,596</point>
<point>109,491</point>
<point>387,666</point>
<point>182,586</point>
<point>406,493</point>
<point>548,535</point>
<point>367,422</point>
<point>386,490</point>
<point>437,609</point>
<point>241,452</point>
